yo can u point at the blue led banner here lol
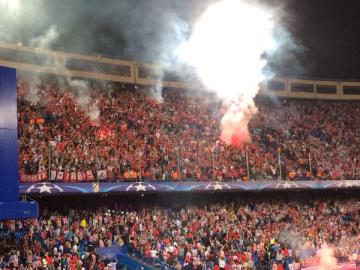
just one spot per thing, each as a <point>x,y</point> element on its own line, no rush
<point>133,187</point>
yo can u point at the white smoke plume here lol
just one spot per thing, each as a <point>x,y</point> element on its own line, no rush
<point>327,258</point>
<point>156,91</point>
<point>167,61</point>
<point>226,48</point>
<point>32,92</point>
<point>33,95</point>
<point>8,19</point>
<point>115,29</point>
<point>45,40</point>
<point>10,6</point>
<point>290,238</point>
<point>42,41</point>
<point>82,92</point>
<point>33,87</point>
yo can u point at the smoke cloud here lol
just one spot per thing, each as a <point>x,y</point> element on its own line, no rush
<point>235,121</point>
<point>327,258</point>
<point>82,93</point>
<point>143,30</point>
<point>291,239</point>
<point>45,40</point>
<point>34,83</point>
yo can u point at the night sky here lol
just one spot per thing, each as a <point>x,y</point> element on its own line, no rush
<point>326,32</point>
<point>329,30</point>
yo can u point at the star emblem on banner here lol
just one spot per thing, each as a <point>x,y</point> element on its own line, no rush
<point>348,183</point>
<point>140,186</point>
<point>217,186</point>
<point>355,183</point>
<point>286,185</point>
<point>44,188</point>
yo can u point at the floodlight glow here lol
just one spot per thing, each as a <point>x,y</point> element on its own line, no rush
<point>11,5</point>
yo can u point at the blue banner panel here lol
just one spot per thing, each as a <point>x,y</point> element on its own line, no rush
<point>8,165</point>
<point>18,210</point>
<point>49,188</point>
<point>10,208</point>
<point>120,253</point>
<point>8,103</point>
<point>110,252</point>
<point>8,135</point>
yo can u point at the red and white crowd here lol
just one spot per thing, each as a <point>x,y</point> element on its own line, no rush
<point>257,235</point>
<point>124,134</point>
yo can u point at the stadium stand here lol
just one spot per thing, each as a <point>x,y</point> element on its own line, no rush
<point>242,234</point>
<point>134,137</point>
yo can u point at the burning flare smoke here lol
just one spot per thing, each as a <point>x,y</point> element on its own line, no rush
<point>226,48</point>
<point>327,258</point>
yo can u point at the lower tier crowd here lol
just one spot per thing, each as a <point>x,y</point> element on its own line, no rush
<point>272,235</point>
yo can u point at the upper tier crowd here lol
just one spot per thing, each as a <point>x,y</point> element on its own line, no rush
<point>239,235</point>
<point>124,134</point>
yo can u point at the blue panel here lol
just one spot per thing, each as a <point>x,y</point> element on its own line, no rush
<point>9,180</point>
<point>8,136</point>
<point>8,105</point>
<point>48,188</point>
<point>8,165</point>
<point>18,210</point>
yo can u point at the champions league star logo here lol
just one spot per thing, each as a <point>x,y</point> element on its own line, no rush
<point>348,183</point>
<point>140,186</point>
<point>286,185</point>
<point>217,186</point>
<point>44,187</point>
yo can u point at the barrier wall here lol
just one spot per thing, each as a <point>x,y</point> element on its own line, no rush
<point>109,69</point>
<point>53,188</point>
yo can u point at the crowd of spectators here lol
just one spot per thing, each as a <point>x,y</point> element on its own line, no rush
<point>124,134</point>
<point>239,235</point>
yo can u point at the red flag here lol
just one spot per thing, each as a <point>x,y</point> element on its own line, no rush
<point>102,133</point>
<point>60,146</point>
